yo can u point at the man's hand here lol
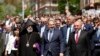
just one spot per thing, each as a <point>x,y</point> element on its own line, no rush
<point>5,53</point>
<point>42,55</point>
<point>61,54</point>
<point>34,46</point>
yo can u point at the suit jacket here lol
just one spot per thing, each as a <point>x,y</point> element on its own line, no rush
<point>55,46</point>
<point>64,32</point>
<point>3,37</point>
<point>83,45</point>
<point>88,27</point>
<point>94,40</point>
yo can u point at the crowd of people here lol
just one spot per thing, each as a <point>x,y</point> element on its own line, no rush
<point>55,35</point>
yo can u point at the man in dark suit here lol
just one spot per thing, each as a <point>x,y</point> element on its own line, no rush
<point>29,40</point>
<point>79,41</point>
<point>53,43</point>
<point>43,25</point>
<point>96,39</point>
<point>87,24</point>
<point>66,30</point>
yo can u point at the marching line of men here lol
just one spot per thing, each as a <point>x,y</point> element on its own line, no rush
<point>51,37</point>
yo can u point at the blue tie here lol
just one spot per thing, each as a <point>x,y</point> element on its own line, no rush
<point>50,35</point>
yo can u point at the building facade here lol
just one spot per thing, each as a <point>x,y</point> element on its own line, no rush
<point>45,7</point>
<point>84,3</point>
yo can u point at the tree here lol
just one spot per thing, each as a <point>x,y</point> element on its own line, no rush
<point>61,6</point>
<point>10,9</point>
<point>7,9</point>
<point>1,11</point>
<point>74,6</point>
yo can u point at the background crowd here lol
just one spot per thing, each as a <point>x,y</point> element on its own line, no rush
<point>50,35</point>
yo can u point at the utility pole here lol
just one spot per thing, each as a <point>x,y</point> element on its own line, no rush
<point>23,9</point>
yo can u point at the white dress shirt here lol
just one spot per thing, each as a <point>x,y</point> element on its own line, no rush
<point>8,23</point>
<point>42,30</point>
<point>7,36</point>
<point>69,30</point>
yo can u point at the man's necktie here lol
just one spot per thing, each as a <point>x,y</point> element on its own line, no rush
<point>50,35</point>
<point>76,38</point>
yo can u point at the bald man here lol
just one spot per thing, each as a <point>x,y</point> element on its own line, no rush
<point>79,41</point>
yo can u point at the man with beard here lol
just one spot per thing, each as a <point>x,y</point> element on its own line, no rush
<point>29,40</point>
<point>53,42</point>
<point>43,25</point>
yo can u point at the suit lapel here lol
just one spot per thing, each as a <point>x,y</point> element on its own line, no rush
<point>65,31</point>
<point>46,35</point>
<point>80,36</point>
<point>73,36</point>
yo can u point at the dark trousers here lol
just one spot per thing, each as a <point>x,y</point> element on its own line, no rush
<point>96,52</point>
<point>66,53</point>
<point>13,53</point>
<point>49,54</point>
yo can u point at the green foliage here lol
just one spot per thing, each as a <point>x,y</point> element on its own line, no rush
<point>1,11</point>
<point>10,9</point>
<point>18,8</point>
<point>27,12</point>
<point>61,6</point>
<point>74,6</point>
<point>6,9</point>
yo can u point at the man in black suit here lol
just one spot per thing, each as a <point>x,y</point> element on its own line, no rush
<point>66,30</point>
<point>96,39</point>
<point>79,41</point>
<point>53,42</point>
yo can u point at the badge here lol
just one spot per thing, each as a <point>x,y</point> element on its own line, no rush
<point>27,44</point>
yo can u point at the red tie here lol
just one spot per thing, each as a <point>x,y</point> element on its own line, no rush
<point>77,38</point>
